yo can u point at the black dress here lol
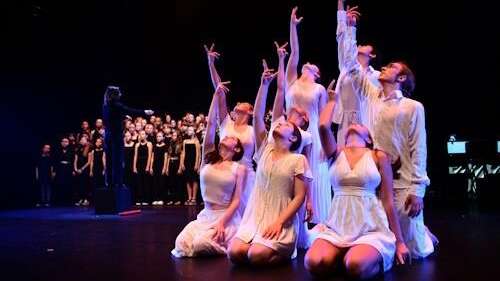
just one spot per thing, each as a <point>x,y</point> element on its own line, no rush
<point>174,185</point>
<point>129,164</point>
<point>143,192</point>
<point>159,180</point>
<point>190,162</point>
<point>44,167</point>
<point>83,179</point>
<point>98,169</point>
<point>63,164</point>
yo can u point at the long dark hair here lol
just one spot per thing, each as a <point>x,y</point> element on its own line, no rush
<point>296,144</point>
<point>213,157</point>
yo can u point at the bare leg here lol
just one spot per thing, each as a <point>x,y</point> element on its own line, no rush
<point>261,255</point>
<point>362,262</point>
<point>188,188</point>
<point>195,190</point>
<point>322,258</point>
<point>238,251</point>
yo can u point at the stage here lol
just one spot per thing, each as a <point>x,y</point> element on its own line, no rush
<point>74,244</point>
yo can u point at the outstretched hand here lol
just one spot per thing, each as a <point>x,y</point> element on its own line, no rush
<point>281,50</point>
<point>211,53</point>
<point>222,88</point>
<point>293,19</point>
<point>267,75</point>
<point>353,15</point>
<point>331,92</point>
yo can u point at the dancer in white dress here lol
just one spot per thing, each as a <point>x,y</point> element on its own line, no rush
<point>303,92</point>
<point>268,231</point>
<point>238,127</point>
<point>358,229</point>
<point>300,118</point>
<point>399,130</point>
<point>221,179</point>
<point>350,108</point>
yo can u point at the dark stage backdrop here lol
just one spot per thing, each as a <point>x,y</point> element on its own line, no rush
<point>56,57</point>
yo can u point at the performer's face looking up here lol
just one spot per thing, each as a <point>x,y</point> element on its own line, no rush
<point>284,132</point>
<point>358,135</point>
<point>242,112</point>
<point>311,69</point>
<point>391,73</point>
<point>298,117</point>
<point>228,147</point>
<point>365,54</point>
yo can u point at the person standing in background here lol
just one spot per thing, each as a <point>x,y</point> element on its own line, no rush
<point>44,172</point>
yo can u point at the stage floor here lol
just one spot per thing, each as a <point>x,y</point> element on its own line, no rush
<point>73,244</point>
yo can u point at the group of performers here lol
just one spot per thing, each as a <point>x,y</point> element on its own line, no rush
<point>376,166</point>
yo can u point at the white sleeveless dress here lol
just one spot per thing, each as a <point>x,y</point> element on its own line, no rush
<point>357,215</point>
<point>321,193</point>
<point>247,139</point>
<point>273,191</point>
<point>217,187</point>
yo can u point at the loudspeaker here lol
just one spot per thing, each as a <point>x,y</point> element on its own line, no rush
<point>105,201</point>
<point>112,201</point>
<point>123,199</point>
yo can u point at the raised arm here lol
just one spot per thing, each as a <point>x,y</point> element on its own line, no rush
<point>360,80</point>
<point>209,140</point>
<point>343,32</point>
<point>259,125</point>
<point>212,56</point>
<point>293,61</point>
<point>325,121</point>
<point>279,100</point>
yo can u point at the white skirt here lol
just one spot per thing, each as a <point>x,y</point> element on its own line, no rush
<point>196,239</point>
<point>356,220</point>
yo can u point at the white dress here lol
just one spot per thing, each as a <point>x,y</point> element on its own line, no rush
<point>217,187</point>
<point>247,139</point>
<point>310,100</point>
<point>357,215</point>
<point>273,191</point>
<point>303,239</point>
